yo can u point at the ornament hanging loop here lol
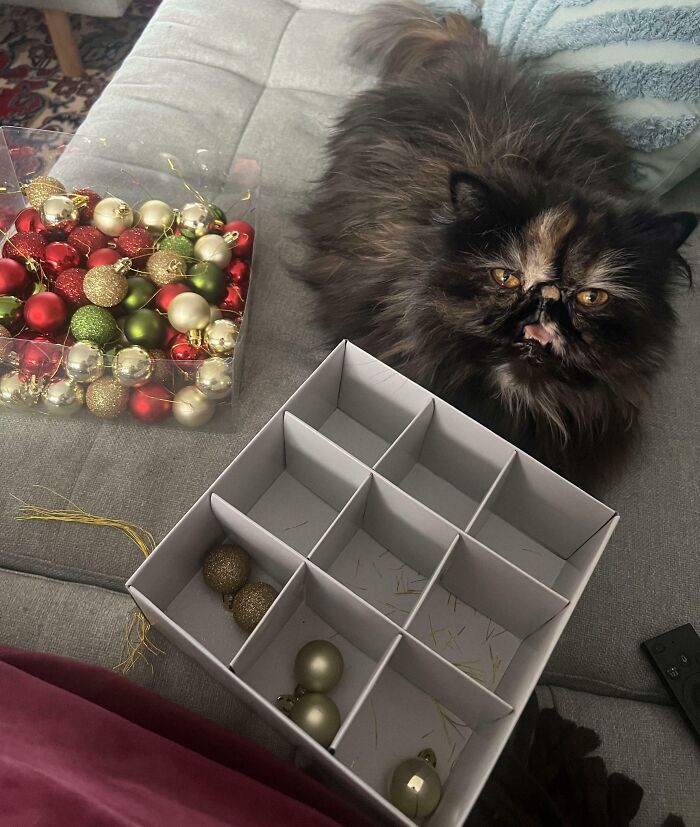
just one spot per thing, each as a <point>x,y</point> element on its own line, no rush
<point>429,756</point>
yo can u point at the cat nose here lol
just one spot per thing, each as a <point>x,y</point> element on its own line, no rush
<point>550,291</point>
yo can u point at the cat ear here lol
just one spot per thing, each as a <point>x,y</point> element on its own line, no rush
<point>672,229</point>
<point>469,192</point>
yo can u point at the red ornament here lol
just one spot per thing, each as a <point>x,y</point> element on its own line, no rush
<point>39,357</point>
<point>150,403</point>
<point>58,257</point>
<point>69,286</point>
<point>135,243</point>
<point>188,356</point>
<point>92,199</point>
<point>234,300</point>
<point>87,239</point>
<point>105,256</point>
<point>246,236</point>
<point>239,273</point>
<point>167,293</point>
<point>29,221</point>
<point>45,312</point>
<point>24,246</point>
<point>14,279</point>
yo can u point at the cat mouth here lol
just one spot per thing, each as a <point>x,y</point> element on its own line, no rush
<point>535,340</point>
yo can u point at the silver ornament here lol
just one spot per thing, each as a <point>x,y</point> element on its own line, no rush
<point>12,391</point>
<point>188,311</point>
<point>156,216</point>
<point>133,366</point>
<point>191,408</point>
<point>221,337</point>
<point>58,209</point>
<point>213,248</point>
<point>112,216</point>
<point>84,362</point>
<point>194,219</point>
<point>63,397</point>
<point>213,378</point>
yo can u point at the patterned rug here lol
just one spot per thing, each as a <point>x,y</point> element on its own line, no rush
<point>33,91</point>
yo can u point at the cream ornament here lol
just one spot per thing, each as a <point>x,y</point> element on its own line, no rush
<point>213,378</point>
<point>216,249</point>
<point>112,216</point>
<point>156,216</point>
<point>133,366</point>
<point>189,312</point>
<point>84,362</point>
<point>191,408</point>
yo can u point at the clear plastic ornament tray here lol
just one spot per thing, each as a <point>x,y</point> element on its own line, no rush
<point>442,562</point>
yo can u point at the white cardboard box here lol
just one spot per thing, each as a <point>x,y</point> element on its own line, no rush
<point>443,562</point>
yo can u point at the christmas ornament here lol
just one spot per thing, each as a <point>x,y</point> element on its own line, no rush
<point>136,244</point>
<point>162,372</point>
<point>156,216</point>
<point>214,313</point>
<point>191,408</point>
<point>216,249</point>
<point>251,602</point>
<point>86,200</point>
<point>24,247</point>
<point>84,362</point>
<point>415,786</point>
<point>41,188</point>
<point>233,301</point>
<point>188,357</point>
<point>14,279</point>
<point>112,216</point>
<point>318,666</point>
<point>69,286</point>
<point>165,267</point>
<point>177,244</point>
<point>139,291</point>
<point>243,246</point>
<point>63,397</point>
<point>318,716</point>
<point>87,239</point>
<point>45,312</point>
<point>194,219</point>
<point>10,310</point>
<point>12,391</point>
<point>150,403</point>
<point>221,336</point>
<point>59,213</point>
<point>239,274</point>
<point>96,324</point>
<point>218,215</point>
<point>106,398</point>
<point>188,313</point>
<point>145,328</point>
<point>206,279</point>
<point>226,568</point>
<point>106,286</point>
<point>133,366</point>
<point>103,257</point>
<point>29,221</point>
<point>167,293</point>
<point>59,256</point>
<point>213,378</point>
<point>39,359</point>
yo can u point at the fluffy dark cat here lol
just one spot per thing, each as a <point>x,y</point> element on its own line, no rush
<point>475,228</point>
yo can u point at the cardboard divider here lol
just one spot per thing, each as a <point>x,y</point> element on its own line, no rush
<point>446,461</point>
<point>385,547</point>
<point>537,519</point>
<point>480,610</point>
<point>358,402</point>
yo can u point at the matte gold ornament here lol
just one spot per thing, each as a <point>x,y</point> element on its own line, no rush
<point>191,408</point>
<point>156,216</point>
<point>194,220</point>
<point>63,397</point>
<point>318,666</point>
<point>216,249</point>
<point>188,312</point>
<point>221,337</point>
<point>112,216</point>
<point>164,267</point>
<point>40,188</point>
<point>58,210</point>
<point>214,378</point>
<point>12,391</point>
<point>133,366</point>
<point>415,787</point>
<point>106,398</point>
<point>318,716</point>
<point>84,362</point>
<point>105,285</point>
<point>226,568</point>
<point>251,603</point>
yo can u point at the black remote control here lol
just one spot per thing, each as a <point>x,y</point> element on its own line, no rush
<point>676,656</point>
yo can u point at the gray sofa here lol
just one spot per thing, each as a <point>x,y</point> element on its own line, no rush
<point>264,79</point>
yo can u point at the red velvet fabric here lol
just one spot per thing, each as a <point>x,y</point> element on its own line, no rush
<point>83,746</point>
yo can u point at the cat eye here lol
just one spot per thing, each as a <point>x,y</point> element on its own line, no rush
<point>505,278</point>
<point>592,298</point>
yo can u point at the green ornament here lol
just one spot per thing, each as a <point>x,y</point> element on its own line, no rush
<point>139,292</point>
<point>415,786</point>
<point>206,279</point>
<point>177,244</point>
<point>145,328</point>
<point>10,309</point>
<point>96,324</point>
<point>218,213</point>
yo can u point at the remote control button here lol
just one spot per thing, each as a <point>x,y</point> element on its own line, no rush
<point>658,648</point>
<point>673,673</point>
<point>685,660</point>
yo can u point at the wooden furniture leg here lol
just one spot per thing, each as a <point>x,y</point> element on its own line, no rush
<point>58,24</point>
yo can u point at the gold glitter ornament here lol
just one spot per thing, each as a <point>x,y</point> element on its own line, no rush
<point>105,285</point>
<point>250,604</point>
<point>41,188</point>
<point>226,568</point>
<point>165,267</point>
<point>162,369</point>
<point>106,398</point>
